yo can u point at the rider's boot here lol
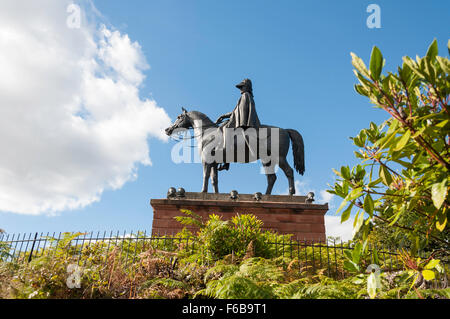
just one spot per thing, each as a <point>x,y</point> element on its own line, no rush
<point>224,166</point>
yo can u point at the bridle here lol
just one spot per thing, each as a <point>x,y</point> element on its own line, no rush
<point>192,127</point>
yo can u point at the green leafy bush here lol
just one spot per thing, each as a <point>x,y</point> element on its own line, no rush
<point>157,272</point>
<point>403,179</point>
<point>219,238</point>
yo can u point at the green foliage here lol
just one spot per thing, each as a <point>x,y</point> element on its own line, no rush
<point>218,238</point>
<point>401,185</point>
<point>237,287</point>
<point>164,282</point>
<point>108,269</point>
<point>429,293</point>
<point>191,219</point>
<point>252,280</point>
<point>168,271</point>
<point>220,270</point>
<point>420,268</point>
<point>400,190</point>
<point>353,258</point>
<point>4,250</point>
<point>330,289</point>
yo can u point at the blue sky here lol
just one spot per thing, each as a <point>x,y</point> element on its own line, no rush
<point>297,53</point>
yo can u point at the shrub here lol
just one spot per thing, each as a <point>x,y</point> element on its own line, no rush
<point>219,238</point>
<point>401,187</point>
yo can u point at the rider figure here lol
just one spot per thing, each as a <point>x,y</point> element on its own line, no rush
<point>244,114</point>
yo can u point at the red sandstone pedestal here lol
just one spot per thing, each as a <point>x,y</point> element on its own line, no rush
<point>282,213</point>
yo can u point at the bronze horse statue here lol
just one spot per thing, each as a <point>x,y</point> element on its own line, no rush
<point>206,132</point>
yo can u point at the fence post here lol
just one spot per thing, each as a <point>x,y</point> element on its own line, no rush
<point>32,247</point>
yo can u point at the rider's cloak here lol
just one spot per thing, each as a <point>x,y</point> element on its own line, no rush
<point>244,114</point>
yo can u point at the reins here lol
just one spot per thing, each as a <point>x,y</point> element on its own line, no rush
<point>195,136</point>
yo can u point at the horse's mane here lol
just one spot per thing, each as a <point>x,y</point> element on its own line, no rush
<point>201,116</point>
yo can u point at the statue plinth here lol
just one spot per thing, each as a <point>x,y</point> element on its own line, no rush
<point>282,213</point>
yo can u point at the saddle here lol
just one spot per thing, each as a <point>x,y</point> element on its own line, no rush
<point>245,141</point>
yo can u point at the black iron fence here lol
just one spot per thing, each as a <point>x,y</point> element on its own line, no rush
<point>127,248</point>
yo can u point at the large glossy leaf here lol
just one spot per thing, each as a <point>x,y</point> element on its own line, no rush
<point>368,204</point>
<point>344,202</point>
<point>428,274</point>
<point>358,223</point>
<point>351,266</point>
<point>359,65</point>
<point>432,263</point>
<point>439,193</point>
<point>444,63</point>
<point>376,63</point>
<point>442,220</point>
<point>345,172</point>
<point>348,254</point>
<point>346,213</point>
<point>432,51</point>
<point>354,194</point>
<point>385,175</point>
<point>372,285</point>
<point>356,254</point>
<point>403,141</point>
<point>376,261</point>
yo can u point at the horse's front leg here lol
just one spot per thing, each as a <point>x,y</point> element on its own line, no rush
<point>214,178</point>
<point>206,174</point>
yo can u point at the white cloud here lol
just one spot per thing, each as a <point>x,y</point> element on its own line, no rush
<point>334,228</point>
<point>325,197</point>
<point>72,123</point>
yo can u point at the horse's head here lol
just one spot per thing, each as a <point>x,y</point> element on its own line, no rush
<point>182,122</point>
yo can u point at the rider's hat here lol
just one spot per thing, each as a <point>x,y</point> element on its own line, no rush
<point>245,83</point>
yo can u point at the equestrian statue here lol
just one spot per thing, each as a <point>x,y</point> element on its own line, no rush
<point>242,138</point>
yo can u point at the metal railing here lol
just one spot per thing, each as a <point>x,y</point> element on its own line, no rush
<point>308,257</point>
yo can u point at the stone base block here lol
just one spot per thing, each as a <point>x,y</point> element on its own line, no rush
<point>281,213</point>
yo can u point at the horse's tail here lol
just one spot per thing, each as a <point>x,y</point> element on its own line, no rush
<point>298,149</point>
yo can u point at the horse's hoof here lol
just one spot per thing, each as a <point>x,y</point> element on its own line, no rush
<point>291,191</point>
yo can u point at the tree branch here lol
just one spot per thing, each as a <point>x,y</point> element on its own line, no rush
<point>411,229</point>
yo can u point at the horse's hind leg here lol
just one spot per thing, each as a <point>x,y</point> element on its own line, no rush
<point>289,172</point>
<point>271,177</point>
<point>214,178</point>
